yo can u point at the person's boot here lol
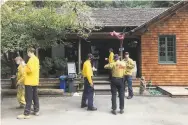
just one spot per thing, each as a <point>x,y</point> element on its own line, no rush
<point>121,111</point>
<point>114,112</point>
<point>22,116</point>
<point>92,109</point>
<point>22,106</point>
<point>129,97</point>
<point>83,105</point>
<point>36,113</point>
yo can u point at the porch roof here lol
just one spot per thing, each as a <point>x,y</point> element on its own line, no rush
<point>125,16</point>
<point>98,35</point>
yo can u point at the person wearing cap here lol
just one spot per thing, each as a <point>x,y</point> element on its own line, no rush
<point>110,59</point>
<point>88,85</point>
<point>20,82</point>
<point>128,73</point>
<point>117,68</point>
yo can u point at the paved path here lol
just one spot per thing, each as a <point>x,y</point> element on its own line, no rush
<point>176,90</point>
<point>67,111</point>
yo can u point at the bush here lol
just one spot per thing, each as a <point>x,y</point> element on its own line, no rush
<point>54,66</point>
<point>5,71</point>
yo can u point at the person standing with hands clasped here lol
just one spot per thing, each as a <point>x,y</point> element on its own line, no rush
<point>117,68</point>
<point>128,74</point>
<point>88,85</point>
<point>31,82</point>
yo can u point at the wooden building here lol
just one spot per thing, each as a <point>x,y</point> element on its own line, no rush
<point>164,46</point>
<point>114,19</point>
<point>157,40</point>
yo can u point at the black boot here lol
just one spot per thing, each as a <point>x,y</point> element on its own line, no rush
<point>129,97</point>
<point>121,111</point>
<point>92,109</point>
<point>83,105</point>
<point>114,112</point>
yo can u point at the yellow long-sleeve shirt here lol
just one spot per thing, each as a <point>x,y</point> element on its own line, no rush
<point>32,72</point>
<point>87,71</point>
<point>117,68</point>
<point>20,75</point>
<point>129,66</point>
<point>111,57</point>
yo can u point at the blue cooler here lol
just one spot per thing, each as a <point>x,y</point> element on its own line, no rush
<point>63,82</point>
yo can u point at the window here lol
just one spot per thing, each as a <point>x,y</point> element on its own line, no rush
<point>167,49</point>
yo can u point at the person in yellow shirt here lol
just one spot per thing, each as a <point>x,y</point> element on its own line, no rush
<point>128,73</point>
<point>31,82</point>
<point>88,92</point>
<point>110,59</point>
<point>20,82</point>
<point>117,68</point>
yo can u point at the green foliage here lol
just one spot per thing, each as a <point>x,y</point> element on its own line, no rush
<point>48,63</point>
<point>118,4</point>
<point>24,25</point>
<point>60,63</point>
<point>130,4</point>
<point>149,83</point>
<point>163,3</point>
<point>42,24</point>
<point>155,92</point>
<point>55,66</point>
<point>5,71</point>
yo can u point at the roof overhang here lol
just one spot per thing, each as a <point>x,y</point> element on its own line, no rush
<point>166,14</point>
<point>98,35</point>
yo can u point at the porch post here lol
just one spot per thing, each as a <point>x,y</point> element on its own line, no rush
<point>79,55</point>
<point>37,52</point>
<point>121,51</point>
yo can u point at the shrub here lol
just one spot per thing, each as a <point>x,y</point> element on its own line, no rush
<point>54,66</point>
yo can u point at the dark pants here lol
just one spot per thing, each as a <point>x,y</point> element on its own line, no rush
<point>87,94</point>
<point>95,63</point>
<point>117,84</point>
<point>128,79</point>
<point>31,94</point>
<point>110,74</point>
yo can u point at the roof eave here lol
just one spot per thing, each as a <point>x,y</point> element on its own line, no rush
<point>137,30</point>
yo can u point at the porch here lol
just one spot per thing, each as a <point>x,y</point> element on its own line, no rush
<point>101,42</point>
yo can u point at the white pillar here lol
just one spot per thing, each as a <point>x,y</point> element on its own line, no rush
<point>79,56</point>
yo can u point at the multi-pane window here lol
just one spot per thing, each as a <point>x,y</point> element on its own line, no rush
<point>167,49</point>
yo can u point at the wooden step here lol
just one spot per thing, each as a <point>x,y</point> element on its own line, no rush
<point>55,83</point>
<point>40,91</point>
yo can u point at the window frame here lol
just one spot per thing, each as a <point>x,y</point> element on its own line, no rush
<point>166,51</point>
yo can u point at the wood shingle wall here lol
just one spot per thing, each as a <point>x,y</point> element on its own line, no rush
<point>166,74</point>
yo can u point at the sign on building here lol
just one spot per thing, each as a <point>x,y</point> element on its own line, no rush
<point>71,68</point>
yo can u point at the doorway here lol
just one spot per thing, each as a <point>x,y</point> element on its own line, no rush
<point>103,47</point>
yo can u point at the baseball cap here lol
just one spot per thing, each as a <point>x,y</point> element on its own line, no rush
<point>116,57</point>
<point>90,55</point>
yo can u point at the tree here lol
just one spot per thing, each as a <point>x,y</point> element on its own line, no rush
<point>163,3</point>
<point>25,25</point>
<point>118,4</point>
